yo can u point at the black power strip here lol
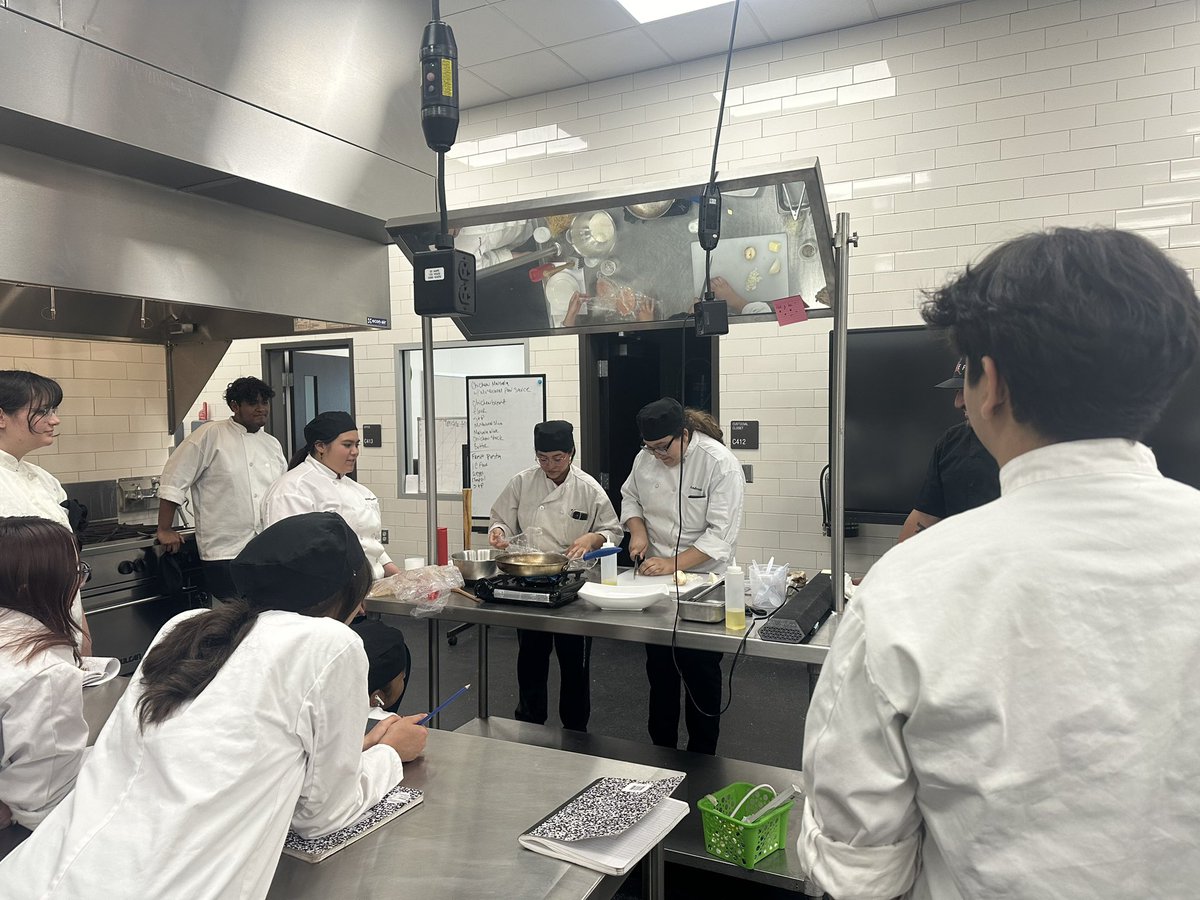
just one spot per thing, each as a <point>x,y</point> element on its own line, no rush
<point>798,620</point>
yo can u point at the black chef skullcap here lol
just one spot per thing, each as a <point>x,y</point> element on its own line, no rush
<point>660,419</point>
<point>298,562</point>
<point>387,654</point>
<point>327,426</point>
<point>552,436</point>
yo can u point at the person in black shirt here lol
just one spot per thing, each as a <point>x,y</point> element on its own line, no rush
<point>962,474</point>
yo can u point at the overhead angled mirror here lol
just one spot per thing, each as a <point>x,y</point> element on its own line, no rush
<point>595,262</point>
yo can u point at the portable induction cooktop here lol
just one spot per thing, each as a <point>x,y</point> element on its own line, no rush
<point>551,591</point>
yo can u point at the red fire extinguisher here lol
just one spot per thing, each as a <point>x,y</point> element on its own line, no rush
<point>204,411</point>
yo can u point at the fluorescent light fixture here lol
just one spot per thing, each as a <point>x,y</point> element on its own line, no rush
<point>653,10</point>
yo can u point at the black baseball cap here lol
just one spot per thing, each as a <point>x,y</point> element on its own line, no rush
<point>955,381</point>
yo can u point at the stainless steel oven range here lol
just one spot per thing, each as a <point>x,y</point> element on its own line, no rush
<point>131,594</point>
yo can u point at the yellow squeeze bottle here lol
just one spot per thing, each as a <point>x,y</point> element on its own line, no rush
<point>735,598</point>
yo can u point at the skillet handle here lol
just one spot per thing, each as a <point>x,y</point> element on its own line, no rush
<point>603,551</point>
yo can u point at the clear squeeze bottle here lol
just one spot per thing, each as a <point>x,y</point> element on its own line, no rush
<point>735,598</point>
<point>608,566</point>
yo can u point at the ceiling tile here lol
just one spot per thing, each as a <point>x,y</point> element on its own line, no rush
<point>613,54</point>
<point>787,19</point>
<point>704,32</point>
<point>474,91</point>
<point>561,21</point>
<point>451,7</point>
<point>529,73</point>
<point>483,35</point>
<point>888,8</point>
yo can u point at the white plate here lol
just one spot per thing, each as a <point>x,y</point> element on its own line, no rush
<point>626,597</point>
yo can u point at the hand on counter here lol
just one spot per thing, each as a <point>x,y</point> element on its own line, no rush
<point>170,539</point>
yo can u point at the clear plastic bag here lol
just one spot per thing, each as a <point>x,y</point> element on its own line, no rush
<point>428,587</point>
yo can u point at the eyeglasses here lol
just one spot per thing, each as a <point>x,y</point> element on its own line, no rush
<point>661,450</point>
<point>85,571</point>
<point>554,459</point>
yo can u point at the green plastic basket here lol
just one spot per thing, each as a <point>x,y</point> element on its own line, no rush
<point>732,839</point>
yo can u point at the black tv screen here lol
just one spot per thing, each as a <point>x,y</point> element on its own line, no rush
<point>894,416</point>
<point>1175,440</point>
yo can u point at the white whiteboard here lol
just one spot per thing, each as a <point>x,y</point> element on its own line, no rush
<point>501,413</point>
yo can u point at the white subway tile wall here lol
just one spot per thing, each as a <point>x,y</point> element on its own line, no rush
<point>941,133</point>
<point>114,409</point>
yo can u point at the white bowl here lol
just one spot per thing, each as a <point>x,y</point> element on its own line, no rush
<point>622,597</point>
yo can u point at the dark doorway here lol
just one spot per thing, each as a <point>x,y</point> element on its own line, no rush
<point>308,379</point>
<point>619,373</point>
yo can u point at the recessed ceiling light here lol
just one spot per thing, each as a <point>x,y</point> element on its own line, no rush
<point>653,10</point>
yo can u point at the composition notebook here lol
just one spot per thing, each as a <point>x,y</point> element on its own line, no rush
<point>610,824</point>
<point>395,802</point>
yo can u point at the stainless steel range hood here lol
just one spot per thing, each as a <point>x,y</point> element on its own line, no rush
<point>233,185</point>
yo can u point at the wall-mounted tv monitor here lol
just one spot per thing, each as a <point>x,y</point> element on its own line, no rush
<point>894,416</point>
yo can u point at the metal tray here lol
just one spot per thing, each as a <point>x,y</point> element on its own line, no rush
<point>707,606</point>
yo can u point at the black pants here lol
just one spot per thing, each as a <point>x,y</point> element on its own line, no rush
<point>533,671</point>
<point>702,671</point>
<point>217,579</point>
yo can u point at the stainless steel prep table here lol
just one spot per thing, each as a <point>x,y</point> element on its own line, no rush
<point>650,626</point>
<point>480,795</point>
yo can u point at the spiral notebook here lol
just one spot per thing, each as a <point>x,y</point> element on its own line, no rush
<point>395,802</point>
<point>610,824</point>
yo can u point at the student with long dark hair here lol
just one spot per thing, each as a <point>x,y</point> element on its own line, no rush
<point>42,730</point>
<point>240,722</point>
<point>28,417</point>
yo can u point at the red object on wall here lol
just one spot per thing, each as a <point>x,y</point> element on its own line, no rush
<point>443,546</point>
<point>204,411</point>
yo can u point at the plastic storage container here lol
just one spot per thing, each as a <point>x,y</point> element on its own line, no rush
<point>736,841</point>
<point>608,566</point>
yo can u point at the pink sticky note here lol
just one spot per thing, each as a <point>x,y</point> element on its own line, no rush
<point>790,310</point>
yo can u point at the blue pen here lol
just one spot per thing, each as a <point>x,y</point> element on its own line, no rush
<point>462,690</point>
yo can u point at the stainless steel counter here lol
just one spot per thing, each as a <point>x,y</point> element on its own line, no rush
<point>650,626</point>
<point>461,842</point>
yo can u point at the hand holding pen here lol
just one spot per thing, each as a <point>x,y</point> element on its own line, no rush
<point>404,734</point>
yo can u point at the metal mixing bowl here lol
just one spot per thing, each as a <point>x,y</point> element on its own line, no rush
<point>475,564</point>
<point>652,210</point>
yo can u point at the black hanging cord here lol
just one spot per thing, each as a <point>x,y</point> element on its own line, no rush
<point>712,177</point>
<point>444,234</point>
<point>437,10</point>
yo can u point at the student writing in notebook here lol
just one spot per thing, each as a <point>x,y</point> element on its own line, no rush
<point>241,722</point>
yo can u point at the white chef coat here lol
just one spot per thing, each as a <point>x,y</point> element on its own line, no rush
<point>713,489</point>
<point>564,511</point>
<point>314,487</point>
<point>1009,706</point>
<point>29,490</point>
<point>228,470</point>
<point>42,729</point>
<point>198,805</point>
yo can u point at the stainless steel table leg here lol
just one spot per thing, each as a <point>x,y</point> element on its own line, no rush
<point>653,879</point>
<point>435,669</point>
<point>482,675</point>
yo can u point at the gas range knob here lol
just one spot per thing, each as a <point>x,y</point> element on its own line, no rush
<point>125,567</point>
<point>139,565</point>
